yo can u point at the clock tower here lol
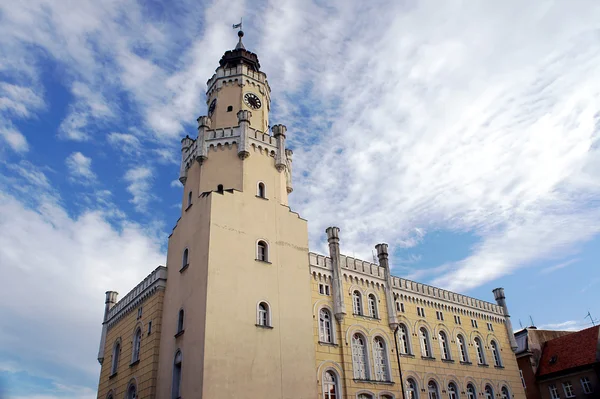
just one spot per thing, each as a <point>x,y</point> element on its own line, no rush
<point>236,314</point>
<point>238,84</point>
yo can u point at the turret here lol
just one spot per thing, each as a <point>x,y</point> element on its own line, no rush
<point>279,134</point>
<point>244,122</point>
<point>186,144</point>
<point>339,308</point>
<point>288,173</point>
<point>203,126</point>
<point>382,254</point>
<point>109,302</point>
<point>501,301</point>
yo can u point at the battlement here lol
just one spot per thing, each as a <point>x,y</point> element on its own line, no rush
<point>216,80</point>
<point>154,281</point>
<point>403,285</point>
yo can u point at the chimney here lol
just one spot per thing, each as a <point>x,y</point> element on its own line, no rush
<point>382,254</point>
<point>501,301</point>
<point>109,302</point>
<point>339,308</point>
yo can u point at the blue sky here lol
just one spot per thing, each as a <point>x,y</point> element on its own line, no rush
<point>465,136</point>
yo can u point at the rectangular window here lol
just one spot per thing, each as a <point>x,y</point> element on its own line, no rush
<point>420,311</point>
<point>327,290</point>
<point>553,392</point>
<point>321,289</point>
<point>586,385</point>
<point>473,323</point>
<point>402,307</point>
<point>139,316</point>
<point>490,326</point>
<point>439,315</point>
<point>397,306</point>
<point>568,388</point>
<point>522,379</point>
<point>457,319</point>
<point>149,327</point>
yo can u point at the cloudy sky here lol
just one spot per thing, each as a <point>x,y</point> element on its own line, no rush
<point>464,134</point>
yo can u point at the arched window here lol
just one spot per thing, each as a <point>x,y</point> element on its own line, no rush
<point>115,357</point>
<point>262,315</point>
<point>452,391</point>
<point>380,360</point>
<point>229,108</point>
<point>220,188</point>
<point>260,190</point>
<point>189,199</point>
<point>505,393</point>
<point>411,389</point>
<point>444,349</point>
<point>330,388</point>
<point>180,321</point>
<point>489,392</point>
<point>432,390</point>
<point>462,348</point>
<point>372,306</point>
<point>184,258</point>
<point>325,330</point>
<point>471,394</point>
<point>425,345</point>
<point>132,391</point>
<point>386,396</point>
<point>176,387</point>
<point>357,302</point>
<point>110,395</point>
<point>359,357</point>
<point>137,343</point>
<point>496,353</point>
<point>479,350</point>
<point>364,395</point>
<point>404,339</point>
<point>262,251</point>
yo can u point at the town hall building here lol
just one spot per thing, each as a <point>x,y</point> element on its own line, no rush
<point>243,309</point>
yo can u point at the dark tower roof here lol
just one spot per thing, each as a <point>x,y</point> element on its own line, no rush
<point>240,55</point>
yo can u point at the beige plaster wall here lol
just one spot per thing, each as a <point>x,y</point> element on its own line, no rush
<point>144,372</point>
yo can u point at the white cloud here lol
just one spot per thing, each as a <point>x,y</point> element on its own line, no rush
<point>14,139</point>
<point>175,183</point>
<point>140,183</point>
<point>80,167</point>
<point>569,325</point>
<point>125,142</point>
<point>559,266</point>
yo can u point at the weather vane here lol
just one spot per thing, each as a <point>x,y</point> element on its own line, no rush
<point>235,26</point>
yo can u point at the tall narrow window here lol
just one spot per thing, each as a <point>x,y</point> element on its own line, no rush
<point>263,315</point>
<point>176,387</point>
<point>411,389</point>
<point>452,391</point>
<point>479,350</point>
<point>568,388</point>
<point>325,331</point>
<point>359,357</point>
<point>380,360</point>
<point>115,358</point>
<point>505,394</point>
<point>403,338</point>
<point>462,348</point>
<point>471,394</point>
<point>444,349</point>
<point>489,392</point>
<point>137,343</point>
<point>432,389</point>
<point>496,353</point>
<point>260,190</point>
<point>372,306</point>
<point>262,251</point>
<point>184,258</point>
<point>365,396</point>
<point>330,390</point>
<point>522,379</point>
<point>424,338</point>
<point>132,391</point>
<point>180,321</point>
<point>189,199</point>
<point>586,385</point>
<point>357,302</point>
<point>553,392</point>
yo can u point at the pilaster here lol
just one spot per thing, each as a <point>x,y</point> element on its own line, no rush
<point>339,308</point>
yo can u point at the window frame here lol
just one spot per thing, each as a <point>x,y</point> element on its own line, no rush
<point>137,345</point>
<point>262,257</point>
<point>496,353</point>
<point>463,350</point>
<point>586,385</point>
<point>263,316</point>
<point>404,342</point>
<point>373,310</point>
<point>504,392</point>
<point>412,389</point>
<point>432,388</point>
<point>472,391</point>
<point>381,361</point>
<point>326,327</point>
<point>180,322</point>
<point>116,355</point>
<point>570,393</point>
<point>335,383</point>
<point>553,391</point>
<point>261,190</point>
<point>452,389</point>
<point>488,392</point>
<point>189,200</point>
<point>360,361</point>
<point>177,373</point>
<point>132,384</point>
<point>444,345</point>
<point>425,342</point>
<point>357,305</point>
<point>479,350</point>
<point>185,258</point>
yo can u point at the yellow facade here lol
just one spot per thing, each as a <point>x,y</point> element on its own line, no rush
<point>241,308</point>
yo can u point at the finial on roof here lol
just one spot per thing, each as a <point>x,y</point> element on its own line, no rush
<point>240,45</point>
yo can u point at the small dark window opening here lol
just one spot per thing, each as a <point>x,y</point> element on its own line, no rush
<point>230,108</point>
<point>184,260</point>
<point>261,190</point>
<point>220,188</point>
<point>189,199</point>
<point>150,327</point>
<point>262,251</point>
<point>180,322</point>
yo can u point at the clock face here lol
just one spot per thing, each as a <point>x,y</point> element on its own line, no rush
<point>252,100</point>
<point>212,107</point>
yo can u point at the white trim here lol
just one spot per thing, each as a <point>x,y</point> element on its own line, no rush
<point>388,393</point>
<point>336,376</point>
<point>365,355</point>
<point>386,351</point>
<point>269,314</point>
<point>365,392</point>
<point>332,325</point>
<point>129,384</point>
<point>133,346</point>
<point>268,250</point>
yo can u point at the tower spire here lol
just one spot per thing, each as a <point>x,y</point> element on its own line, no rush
<point>240,45</point>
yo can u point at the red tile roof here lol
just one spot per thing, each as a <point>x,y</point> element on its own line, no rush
<point>569,351</point>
